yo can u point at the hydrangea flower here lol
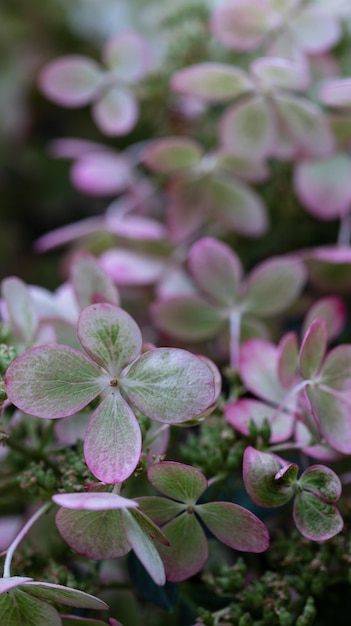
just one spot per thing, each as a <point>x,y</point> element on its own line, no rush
<point>269,115</point>
<point>178,515</point>
<point>77,80</point>
<point>167,385</point>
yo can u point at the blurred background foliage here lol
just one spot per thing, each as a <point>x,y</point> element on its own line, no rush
<point>36,194</point>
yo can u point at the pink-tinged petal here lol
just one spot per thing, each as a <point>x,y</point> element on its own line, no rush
<point>236,206</point>
<point>316,519</point>
<point>316,31</point>
<point>156,442</point>
<point>246,169</point>
<point>240,413</point>
<point>110,336</point>
<point>306,125</point>
<point>66,234</point>
<point>333,415</point>
<point>64,595</point>
<point>320,451</point>
<point>247,128</point>
<point>241,25</point>
<point>217,376</point>
<point>93,501</point>
<point>10,526</point>
<point>323,187</point>
<point>329,267</point>
<point>94,534</point>
<point>275,72</point>
<point>258,368</point>
<point>112,443</point>
<point>274,285</point>
<point>116,113</point>
<point>128,55</point>
<point>129,267</point>
<point>160,510</point>
<point>53,381</point>
<point>336,92</point>
<point>71,81</point>
<point>12,581</point>
<point>178,481</point>
<point>187,207</point>
<point>144,548</point>
<point>323,482</point>
<point>288,359</point>
<point>235,526</point>
<point>313,348</point>
<point>68,431</point>
<point>71,620</point>
<point>216,269</point>
<point>73,148</point>
<point>20,309</point>
<point>259,471</point>
<point>329,254</point>
<point>333,310</point>
<point>336,370</point>
<point>188,550</point>
<point>170,385</point>
<point>99,174</point>
<point>147,525</point>
<point>18,608</point>
<point>187,317</point>
<point>212,82</point>
<point>171,154</point>
<point>135,227</point>
<point>90,283</point>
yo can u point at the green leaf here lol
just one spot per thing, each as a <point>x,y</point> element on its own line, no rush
<point>94,534</point>
<point>177,481</point>
<point>170,385</point>
<point>110,336</point>
<point>316,519</point>
<point>53,381</point>
<point>235,526</point>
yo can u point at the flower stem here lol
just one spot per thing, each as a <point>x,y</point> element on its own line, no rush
<point>21,535</point>
<point>344,234</point>
<point>234,345</point>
